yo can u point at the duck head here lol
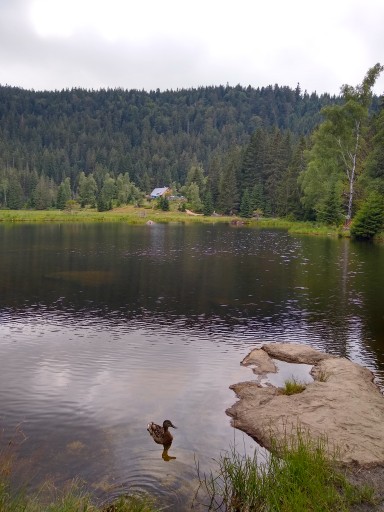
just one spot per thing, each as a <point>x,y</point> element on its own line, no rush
<point>167,424</point>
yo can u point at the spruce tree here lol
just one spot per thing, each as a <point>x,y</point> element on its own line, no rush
<point>15,194</point>
<point>63,194</point>
<point>330,211</point>
<point>87,190</point>
<point>228,200</point>
<point>246,209</point>
<point>369,220</point>
<point>208,204</point>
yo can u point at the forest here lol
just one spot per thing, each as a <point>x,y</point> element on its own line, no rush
<point>271,151</point>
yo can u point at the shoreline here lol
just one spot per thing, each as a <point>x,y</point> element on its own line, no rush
<point>142,216</point>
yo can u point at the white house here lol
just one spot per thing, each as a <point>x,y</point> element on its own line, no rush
<point>159,192</point>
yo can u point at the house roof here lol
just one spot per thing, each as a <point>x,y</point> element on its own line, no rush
<point>157,192</point>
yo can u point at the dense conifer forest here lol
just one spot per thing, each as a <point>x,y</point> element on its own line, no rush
<point>229,149</point>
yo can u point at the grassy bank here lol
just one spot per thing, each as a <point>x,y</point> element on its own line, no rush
<point>303,477</point>
<point>131,215</point>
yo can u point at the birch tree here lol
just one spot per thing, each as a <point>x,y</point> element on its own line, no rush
<point>337,155</point>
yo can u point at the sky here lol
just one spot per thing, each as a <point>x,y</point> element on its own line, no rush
<point>174,44</point>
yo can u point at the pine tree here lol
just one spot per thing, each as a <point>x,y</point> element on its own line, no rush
<point>15,195</point>
<point>330,211</point>
<point>208,204</point>
<point>43,194</point>
<point>63,194</point>
<point>214,178</point>
<point>257,197</point>
<point>107,194</point>
<point>369,220</point>
<point>375,160</point>
<point>228,200</point>
<point>254,162</point>
<point>192,193</point>
<point>87,190</point>
<point>4,188</point>
<point>246,209</point>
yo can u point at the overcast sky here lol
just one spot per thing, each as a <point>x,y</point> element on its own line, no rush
<point>170,44</point>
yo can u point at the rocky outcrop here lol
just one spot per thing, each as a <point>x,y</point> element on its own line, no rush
<point>261,362</point>
<point>295,353</point>
<point>343,404</point>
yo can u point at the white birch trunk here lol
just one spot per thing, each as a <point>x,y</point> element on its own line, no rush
<point>350,162</point>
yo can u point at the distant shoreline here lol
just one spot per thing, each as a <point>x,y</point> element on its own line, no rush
<point>142,216</point>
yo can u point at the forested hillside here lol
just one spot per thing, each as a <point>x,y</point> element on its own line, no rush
<point>154,136</point>
<point>231,148</point>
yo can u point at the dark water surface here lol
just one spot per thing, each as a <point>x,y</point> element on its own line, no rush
<point>104,328</point>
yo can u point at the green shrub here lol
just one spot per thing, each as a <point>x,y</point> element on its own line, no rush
<point>162,204</point>
<point>369,219</point>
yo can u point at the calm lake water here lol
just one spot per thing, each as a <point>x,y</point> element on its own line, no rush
<point>104,328</point>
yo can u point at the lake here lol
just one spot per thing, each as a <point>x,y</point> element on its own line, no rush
<point>106,327</point>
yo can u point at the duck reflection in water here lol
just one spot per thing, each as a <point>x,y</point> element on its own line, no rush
<point>161,435</point>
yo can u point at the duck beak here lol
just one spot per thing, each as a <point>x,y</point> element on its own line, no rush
<point>174,426</point>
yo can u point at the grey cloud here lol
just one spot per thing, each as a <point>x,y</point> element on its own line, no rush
<point>87,60</point>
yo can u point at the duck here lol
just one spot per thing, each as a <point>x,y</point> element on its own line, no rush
<point>161,435</point>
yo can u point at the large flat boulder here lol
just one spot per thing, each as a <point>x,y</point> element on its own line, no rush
<point>342,403</point>
<point>294,353</point>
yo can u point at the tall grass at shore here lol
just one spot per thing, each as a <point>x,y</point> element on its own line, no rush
<point>299,476</point>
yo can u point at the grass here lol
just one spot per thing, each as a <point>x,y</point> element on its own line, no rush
<point>72,500</point>
<point>127,214</point>
<point>132,215</point>
<point>302,478</point>
<point>292,387</point>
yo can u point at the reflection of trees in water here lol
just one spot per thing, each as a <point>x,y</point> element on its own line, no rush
<point>255,285</point>
<point>341,303</point>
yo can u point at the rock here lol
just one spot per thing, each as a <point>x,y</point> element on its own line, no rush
<point>342,404</point>
<point>294,353</point>
<point>261,360</point>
